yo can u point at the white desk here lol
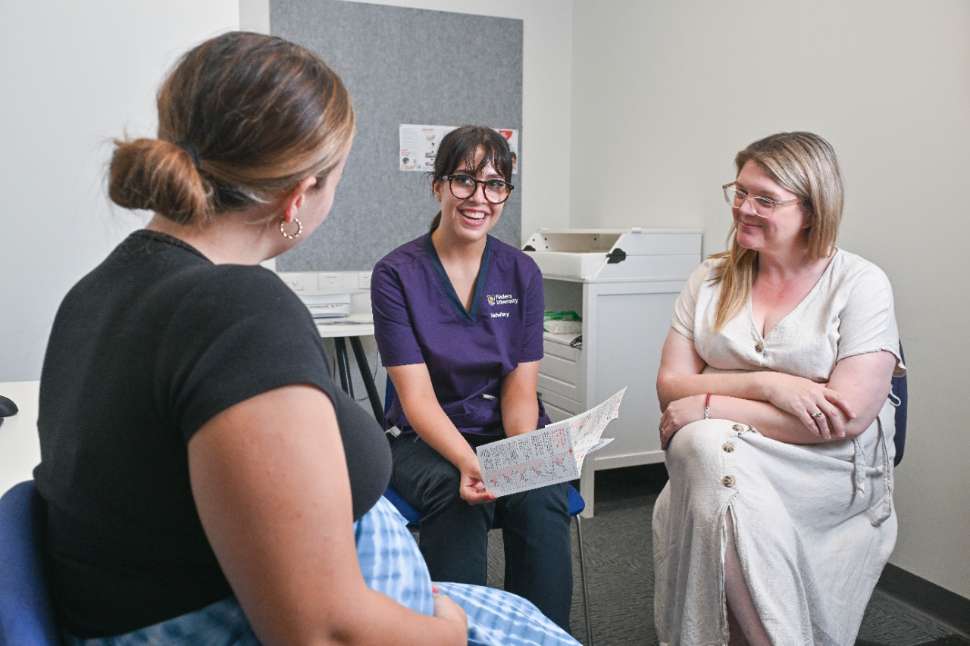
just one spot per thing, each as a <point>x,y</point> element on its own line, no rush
<point>19,443</point>
<point>353,327</point>
<point>361,324</point>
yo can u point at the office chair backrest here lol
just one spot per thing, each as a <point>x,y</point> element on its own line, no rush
<point>413,516</point>
<point>25,612</point>
<point>900,397</point>
<point>389,392</point>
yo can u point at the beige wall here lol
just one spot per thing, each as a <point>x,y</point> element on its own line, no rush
<point>664,94</point>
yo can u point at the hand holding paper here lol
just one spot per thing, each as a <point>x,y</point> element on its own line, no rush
<point>549,455</point>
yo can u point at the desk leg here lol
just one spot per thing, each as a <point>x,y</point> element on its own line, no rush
<point>367,378</point>
<point>343,366</point>
<point>587,487</point>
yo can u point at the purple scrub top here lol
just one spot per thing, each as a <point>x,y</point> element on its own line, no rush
<point>418,318</point>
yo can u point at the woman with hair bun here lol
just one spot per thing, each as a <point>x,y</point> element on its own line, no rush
<point>774,381</point>
<point>204,480</point>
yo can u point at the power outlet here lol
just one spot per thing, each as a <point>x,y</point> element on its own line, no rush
<point>301,282</point>
<point>336,281</point>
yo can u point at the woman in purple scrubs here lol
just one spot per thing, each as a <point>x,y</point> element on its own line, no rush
<point>458,320</point>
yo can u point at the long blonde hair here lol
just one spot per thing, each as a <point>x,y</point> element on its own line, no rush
<point>804,164</point>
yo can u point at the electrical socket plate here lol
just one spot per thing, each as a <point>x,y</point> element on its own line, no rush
<point>326,282</point>
<point>336,281</point>
<point>301,282</point>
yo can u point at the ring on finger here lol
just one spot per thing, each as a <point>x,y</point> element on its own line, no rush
<point>817,414</point>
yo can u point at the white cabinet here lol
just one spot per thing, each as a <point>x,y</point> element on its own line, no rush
<point>623,284</point>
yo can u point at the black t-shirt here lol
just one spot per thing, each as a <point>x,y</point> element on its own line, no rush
<point>144,350</point>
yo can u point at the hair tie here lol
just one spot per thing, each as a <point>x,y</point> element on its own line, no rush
<point>191,150</point>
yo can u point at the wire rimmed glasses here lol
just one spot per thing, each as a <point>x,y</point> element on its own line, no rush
<point>463,186</point>
<point>762,204</point>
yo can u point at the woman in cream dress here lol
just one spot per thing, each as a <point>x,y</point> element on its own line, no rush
<point>774,382</point>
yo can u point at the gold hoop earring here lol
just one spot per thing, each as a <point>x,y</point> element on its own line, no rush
<point>291,236</point>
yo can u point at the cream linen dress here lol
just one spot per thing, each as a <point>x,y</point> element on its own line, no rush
<point>814,525</point>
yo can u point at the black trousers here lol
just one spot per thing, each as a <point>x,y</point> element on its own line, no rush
<point>454,535</point>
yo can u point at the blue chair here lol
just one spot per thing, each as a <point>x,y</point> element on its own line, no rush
<point>575,502</point>
<point>576,506</point>
<point>899,395</point>
<point>26,616</point>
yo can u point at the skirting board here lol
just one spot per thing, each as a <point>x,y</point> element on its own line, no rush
<point>948,607</point>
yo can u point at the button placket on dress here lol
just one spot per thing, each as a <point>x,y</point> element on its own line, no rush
<point>729,448</point>
<point>760,344</point>
<point>729,478</point>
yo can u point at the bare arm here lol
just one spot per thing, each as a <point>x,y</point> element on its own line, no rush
<point>863,380</point>
<point>680,377</point>
<point>769,420</point>
<point>416,392</point>
<point>520,407</point>
<point>270,483</point>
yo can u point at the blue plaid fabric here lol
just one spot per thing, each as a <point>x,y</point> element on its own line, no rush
<point>392,564</point>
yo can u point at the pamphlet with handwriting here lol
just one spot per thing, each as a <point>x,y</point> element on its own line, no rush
<point>549,455</point>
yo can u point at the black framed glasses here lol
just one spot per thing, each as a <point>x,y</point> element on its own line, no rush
<point>762,205</point>
<point>463,186</point>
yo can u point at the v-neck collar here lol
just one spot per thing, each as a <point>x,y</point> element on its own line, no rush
<point>750,305</point>
<point>450,292</point>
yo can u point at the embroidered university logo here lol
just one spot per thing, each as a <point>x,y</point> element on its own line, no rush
<point>501,299</point>
<point>495,300</point>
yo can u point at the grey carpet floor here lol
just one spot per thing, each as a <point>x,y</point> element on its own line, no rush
<point>619,566</point>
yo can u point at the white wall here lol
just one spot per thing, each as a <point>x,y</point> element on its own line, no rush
<point>665,93</point>
<point>76,75</point>
<point>83,73</point>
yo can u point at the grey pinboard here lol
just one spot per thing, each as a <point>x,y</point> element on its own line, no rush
<point>401,66</point>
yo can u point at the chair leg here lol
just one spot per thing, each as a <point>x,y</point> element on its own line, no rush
<point>582,577</point>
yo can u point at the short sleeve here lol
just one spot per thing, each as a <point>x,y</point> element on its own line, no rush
<point>868,321</point>
<point>393,328</point>
<point>533,312</point>
<point>240,333</point>
<point>685,306</point>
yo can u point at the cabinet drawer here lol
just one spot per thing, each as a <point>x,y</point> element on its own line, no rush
<point>559,368</point>
<point>555,413</point>
<point>568,406</point>
<point>561,349</point>
<point>548,384</point>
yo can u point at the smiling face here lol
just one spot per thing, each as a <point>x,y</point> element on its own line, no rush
<point>785,228</point>
<point>470,219</point>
